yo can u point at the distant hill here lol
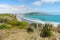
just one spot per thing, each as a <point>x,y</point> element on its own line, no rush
<point>36,13</point>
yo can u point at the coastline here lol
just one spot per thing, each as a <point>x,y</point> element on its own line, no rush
<point>12,31</point>
<point>22,18</point>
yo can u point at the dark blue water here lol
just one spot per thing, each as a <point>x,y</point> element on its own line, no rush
<point>50,18</point>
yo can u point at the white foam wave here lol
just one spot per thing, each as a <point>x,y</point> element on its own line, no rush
<point>37,21</point>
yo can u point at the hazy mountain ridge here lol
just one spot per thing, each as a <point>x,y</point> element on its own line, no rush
<point>36,13</point>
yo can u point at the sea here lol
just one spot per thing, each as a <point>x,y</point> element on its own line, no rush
<point>50,18</point>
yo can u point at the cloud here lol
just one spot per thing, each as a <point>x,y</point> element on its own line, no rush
<point>4,8</point>
<point>41,2</point>
<point>7,8</point>
<point>37,3</point>
<point>50,1</point>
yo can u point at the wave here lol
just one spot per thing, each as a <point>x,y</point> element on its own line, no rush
<point>23,18</point>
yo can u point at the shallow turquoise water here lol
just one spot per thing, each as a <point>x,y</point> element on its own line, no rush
<point>50,18</point>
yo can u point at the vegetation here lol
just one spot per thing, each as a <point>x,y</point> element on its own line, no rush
<point>46,31</point>
<point>33,25</point>
<point>29,30</point>
<point>4,26</point>
<point>3,20</point>
<point>13,23</point>
<point>23,25</point>
<point>16,23</point>
<point>58,29</point>
<point>4,15</point>
<point>10,19</point>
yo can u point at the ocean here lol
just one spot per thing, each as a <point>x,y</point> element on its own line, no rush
<point>50,18</point>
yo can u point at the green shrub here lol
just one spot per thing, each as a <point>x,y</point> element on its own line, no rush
<point>3,20</point>
<point>3,26</point>
<point>16,23</point>
<point>46,31</point>
<point>29,30</point>
<point>23,25</point>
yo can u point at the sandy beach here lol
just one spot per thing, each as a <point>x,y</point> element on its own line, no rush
<point>22,18</point>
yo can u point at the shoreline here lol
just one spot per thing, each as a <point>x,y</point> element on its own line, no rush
<point>22,18</point>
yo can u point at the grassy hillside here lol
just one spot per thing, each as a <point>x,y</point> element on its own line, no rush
<point>13,29</point>
<point>7,20</point>
<point>4,15</point>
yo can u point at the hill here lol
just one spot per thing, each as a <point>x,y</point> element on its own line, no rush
<point>36,13</point>
<point>12,29</point>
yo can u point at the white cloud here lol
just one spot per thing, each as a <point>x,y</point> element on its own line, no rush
<point>4,8</point>
<point>41,2</point>
<point>7,8</point>
<point>50,1</point>
<point>37,3</point>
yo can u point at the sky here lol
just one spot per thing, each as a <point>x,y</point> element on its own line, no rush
<point>23,6</point>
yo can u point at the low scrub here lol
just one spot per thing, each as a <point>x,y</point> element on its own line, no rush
<point>58,29</point>
<point>46,31</point>
<point>3,26</point>
<point>29,30</point>
<point>16,23</point>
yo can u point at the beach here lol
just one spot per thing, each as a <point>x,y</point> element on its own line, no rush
<point>22,28</point>
<point>22,18</point>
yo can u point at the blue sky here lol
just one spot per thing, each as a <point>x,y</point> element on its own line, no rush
<point>22,6</point>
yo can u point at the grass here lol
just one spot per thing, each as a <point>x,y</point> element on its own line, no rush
<point>4,26</point>
<point>10,21</point>
<point>5,15</point>
<point>44,30</point>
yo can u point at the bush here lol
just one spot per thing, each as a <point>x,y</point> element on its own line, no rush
<point>46,31</point>
<point>3,26</point>
<point>16,23</point>
<point>40,25</point>
<point>58,29</point>
<point>23,25</point>
<point>3,20</point>
<point>33,25</point>
<point>29,30</point>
